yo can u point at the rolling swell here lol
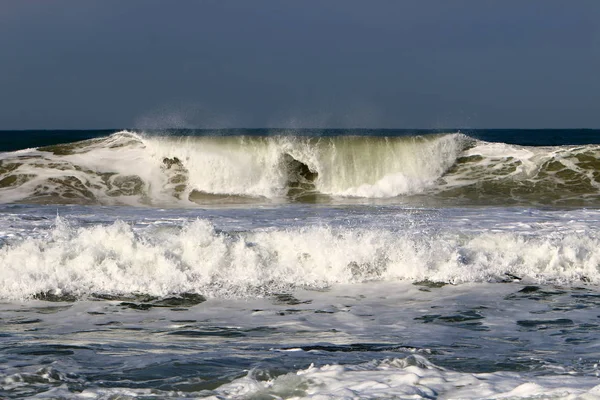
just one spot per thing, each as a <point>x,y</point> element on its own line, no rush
<point>454,169</point>
<point>501,174</point>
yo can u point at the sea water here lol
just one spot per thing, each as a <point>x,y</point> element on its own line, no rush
<point>329,265</point>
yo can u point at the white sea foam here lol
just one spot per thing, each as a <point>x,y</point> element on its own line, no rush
<point>118,259</point>
<point>409,378</point>
<point>413,377</point>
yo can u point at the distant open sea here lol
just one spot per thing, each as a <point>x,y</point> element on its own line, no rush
<point>277,264</point>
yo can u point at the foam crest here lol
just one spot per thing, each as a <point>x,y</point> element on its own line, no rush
<point>117,259</point>
<point>411,377</point>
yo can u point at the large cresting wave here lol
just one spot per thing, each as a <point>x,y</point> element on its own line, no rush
<point>137,169</point>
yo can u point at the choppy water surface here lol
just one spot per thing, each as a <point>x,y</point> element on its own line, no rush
<point>265,265</point>
<point>287,301</point>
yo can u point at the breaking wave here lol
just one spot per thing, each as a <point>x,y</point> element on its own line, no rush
<point>117,260</point>
<point>136,169</point>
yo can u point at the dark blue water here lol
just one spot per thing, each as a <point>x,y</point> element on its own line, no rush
<point>15,140</point>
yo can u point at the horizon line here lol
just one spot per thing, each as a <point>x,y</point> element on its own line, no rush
<point>284,129</point>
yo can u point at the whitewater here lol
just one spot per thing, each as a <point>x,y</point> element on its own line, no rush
<point>245,265</point>
<point>131,168</point>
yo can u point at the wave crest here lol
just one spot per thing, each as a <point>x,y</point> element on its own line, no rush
<point>129,168</point>
<point>118,260</point>
<point>135,169</point>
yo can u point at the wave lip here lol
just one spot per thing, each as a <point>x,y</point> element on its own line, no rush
<point>130,168</point>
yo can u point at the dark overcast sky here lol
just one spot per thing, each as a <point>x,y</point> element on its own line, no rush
<point>80,64</point>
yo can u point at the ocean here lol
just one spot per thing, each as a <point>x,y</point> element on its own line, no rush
<point>292,264</point>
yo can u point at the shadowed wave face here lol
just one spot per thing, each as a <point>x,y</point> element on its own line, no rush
<point>179,170</point>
